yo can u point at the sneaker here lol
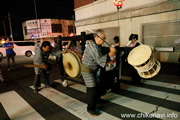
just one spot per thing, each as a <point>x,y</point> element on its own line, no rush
<point>65,83</point>
<point>36,90</point>
<point>93,113</point>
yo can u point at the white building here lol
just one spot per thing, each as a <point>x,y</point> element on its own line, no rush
<point>155,21</point>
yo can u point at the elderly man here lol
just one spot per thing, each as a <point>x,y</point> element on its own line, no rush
<point>92,60</point>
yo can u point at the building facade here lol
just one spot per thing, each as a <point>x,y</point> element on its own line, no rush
<point>155,21</point>
<point>47,29</point>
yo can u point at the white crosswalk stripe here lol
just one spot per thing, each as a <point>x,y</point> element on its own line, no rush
<point>129,102</point>
<point>154,93</point>
<point>17,108</point>
<point>163,84</point>
<point>72,105</point>
<point>157,83</point>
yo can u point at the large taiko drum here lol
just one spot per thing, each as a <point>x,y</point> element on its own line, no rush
<point>72,63</point>
<point>142,60</point>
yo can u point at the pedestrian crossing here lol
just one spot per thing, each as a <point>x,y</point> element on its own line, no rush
<point>69,103</point>
<point>131,103</point>
<point>72,105</point>
<point>17,107</point>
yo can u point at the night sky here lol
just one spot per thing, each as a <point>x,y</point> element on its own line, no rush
<point>22,10</point>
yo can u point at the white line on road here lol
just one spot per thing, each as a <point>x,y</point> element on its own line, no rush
<point>72,105</point>
<point>17,108</point>
<point>129,102</point>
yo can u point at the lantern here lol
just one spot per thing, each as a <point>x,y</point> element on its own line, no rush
<point>119,3</point>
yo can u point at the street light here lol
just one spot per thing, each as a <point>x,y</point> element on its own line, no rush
<point>119,3</point>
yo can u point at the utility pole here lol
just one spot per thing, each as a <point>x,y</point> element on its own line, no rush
<point>10,25</point>
<point>35,9</point>
<point>36,16</point>
<point>4,28</point>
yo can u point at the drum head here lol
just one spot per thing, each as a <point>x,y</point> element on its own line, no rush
<point>139,55</point>
<point>72,64</point>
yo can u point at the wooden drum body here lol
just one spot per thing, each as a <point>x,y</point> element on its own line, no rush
<point>72,63</point>
<point>142,60</point>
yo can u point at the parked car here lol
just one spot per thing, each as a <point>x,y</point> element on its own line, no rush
<point>21,48</point>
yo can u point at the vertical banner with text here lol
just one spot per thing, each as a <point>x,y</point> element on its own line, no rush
<point>46,29</point>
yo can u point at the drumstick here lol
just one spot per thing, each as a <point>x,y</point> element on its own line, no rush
<point>32,65</point>
<point>67,47</point>
<point>128,43</point>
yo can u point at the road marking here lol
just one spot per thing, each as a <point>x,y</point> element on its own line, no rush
<point>72,105</point>
<point>17,108</point>
<point>129,102</point>
<point>163,84</point>
<point>156,83</point>
<point>154,93</point>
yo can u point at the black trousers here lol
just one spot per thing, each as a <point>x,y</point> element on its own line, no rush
<point>93,95</point>
<point>134,75</point>
<point>8,60</point>
<point>37,80</point>
<point>108,79</point>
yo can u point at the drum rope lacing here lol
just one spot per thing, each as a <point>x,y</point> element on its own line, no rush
<point>149,68</point>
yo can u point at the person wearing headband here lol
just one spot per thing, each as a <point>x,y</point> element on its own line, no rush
<point>133,40</point>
